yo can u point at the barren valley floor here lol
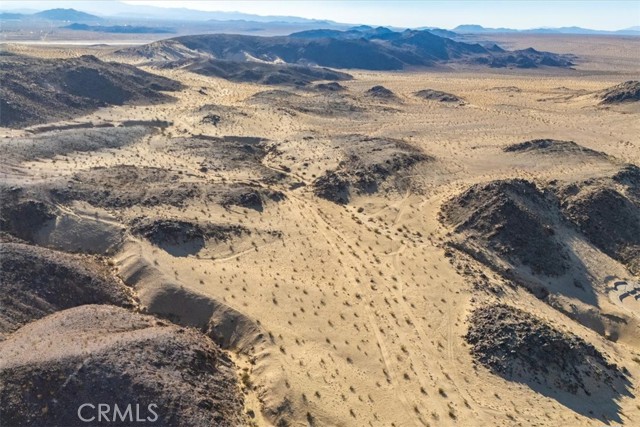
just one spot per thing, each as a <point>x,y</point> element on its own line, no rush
<point>347,298</point>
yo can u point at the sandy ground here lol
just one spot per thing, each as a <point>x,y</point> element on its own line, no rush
<point>365,313</point>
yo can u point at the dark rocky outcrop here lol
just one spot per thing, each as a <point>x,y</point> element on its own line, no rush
<point>124,186</point>
<point>607,214</point>
<point>104,354</point>
<point>330,87</point>
<point>264,73</point>
<point>36,282</point>
<point>180,237</point>
<point>512,219</point>
<point>61,142</point>
<point>368,165</point>
<point>381,92</point>
<point>436,95</point>
<point>36,90</point>
<point>628,91</point>
<point>552,147</point>
<point>629,177</point>
<point>324,103</point>
<point>332,186</point>
<point>521,347</point>
<point>23,217</point>
<point>250,198</point>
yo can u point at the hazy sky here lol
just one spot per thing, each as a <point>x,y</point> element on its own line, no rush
<point>604,15</point>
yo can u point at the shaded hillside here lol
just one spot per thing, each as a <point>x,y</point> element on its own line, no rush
<point>628,91</point>
<point>181,238</point>
<point>368,166</point>
<point>361,31</point>
<point>371,49</point>
<point>381,92</point>
<point>330,87</point>
<point>48,145</point>
<point>50,367</point>
<point>552,147</point>
<point>125,186</point>
<point>163,51</point>
<point>522,347</point>
<point>37,90</point>
<point>36,282</point>
<point>323,52</point>
<point>510,219</point>
<point>607,212</point>
<point>326,103</point>
<point>517,345</point>
<point>264,73</point>
<point>508,223</point>
<point>436,95</point>
<point>28,214</point>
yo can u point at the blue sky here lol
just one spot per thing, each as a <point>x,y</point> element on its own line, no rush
<point>604,15</point>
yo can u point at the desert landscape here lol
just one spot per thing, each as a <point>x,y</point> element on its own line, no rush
<point>446,239</point>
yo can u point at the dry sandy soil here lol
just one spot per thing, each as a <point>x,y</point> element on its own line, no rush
<point>371,309</point>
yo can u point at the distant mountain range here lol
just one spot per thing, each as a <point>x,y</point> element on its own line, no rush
<point>368,32</point>
<point>119,13</point>
<point>114,10</point>
<point>65,15</point>
<point>161,21</point>
<point>352,33</point>
<point>479,29</point>
<point>119,29</point>
<point>360,47</point>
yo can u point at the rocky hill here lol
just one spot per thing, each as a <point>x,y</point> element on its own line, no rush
<point>38,281</point>
<point>518,345</point>
<point>628,91</point>
<point>65,15</point>
<point>36,90</point>
<point>264,73</point>
<point>370,49</point>
<point>108,354</point>
<point>512,219</point>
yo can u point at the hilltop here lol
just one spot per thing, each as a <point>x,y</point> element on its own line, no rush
<point>38,90</point>
<point>65,15</point>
